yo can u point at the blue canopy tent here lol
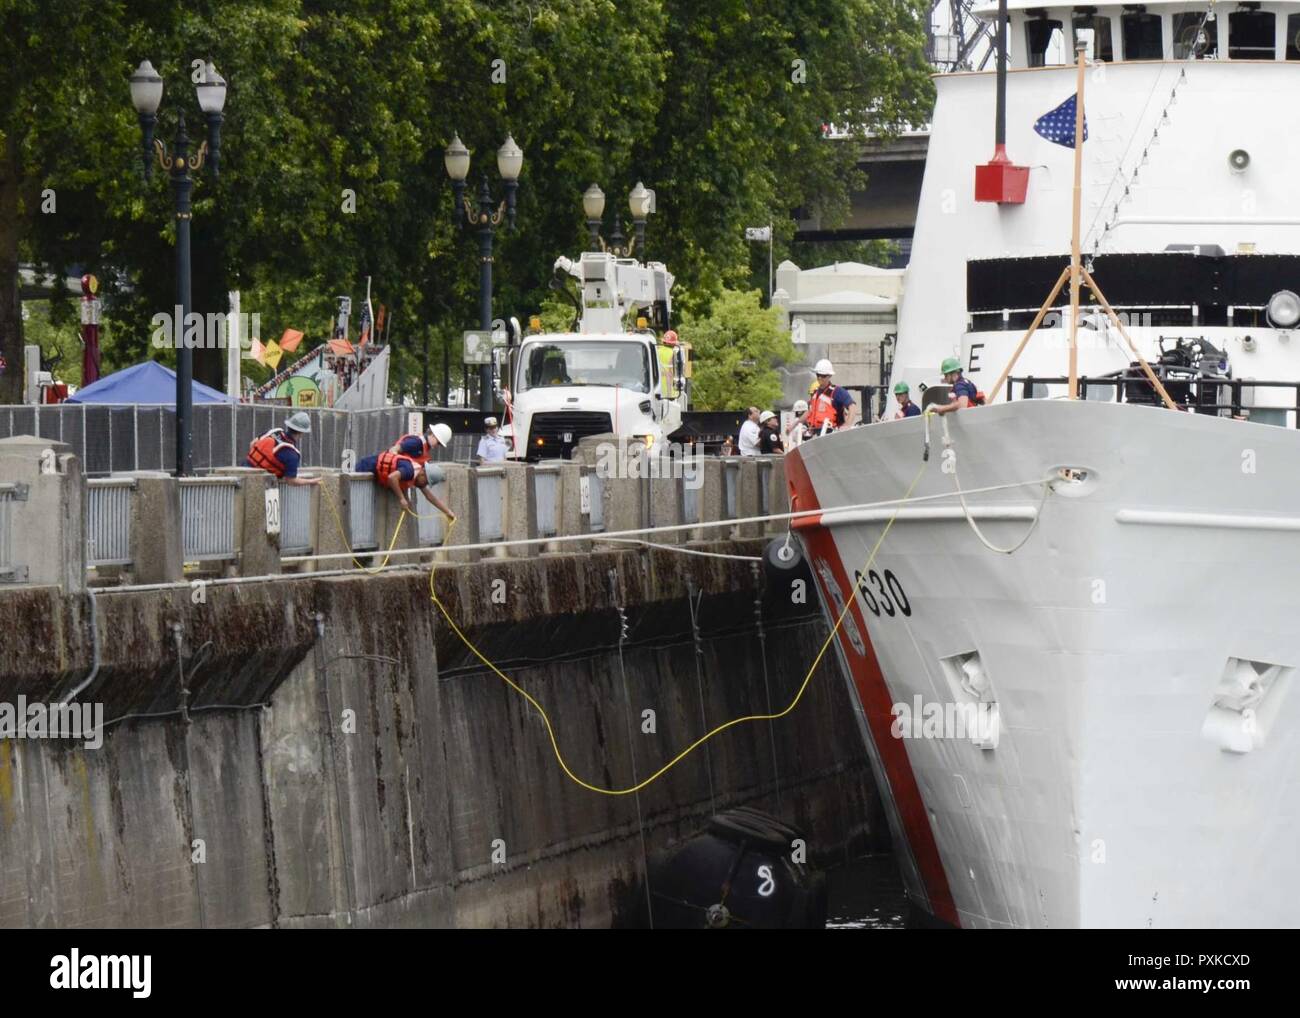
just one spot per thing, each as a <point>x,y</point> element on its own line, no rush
<point>147,383</point>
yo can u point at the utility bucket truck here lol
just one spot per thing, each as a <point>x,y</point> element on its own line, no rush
<point>620,372</point>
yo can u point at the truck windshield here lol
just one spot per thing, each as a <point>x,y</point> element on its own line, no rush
<point>585,362</point>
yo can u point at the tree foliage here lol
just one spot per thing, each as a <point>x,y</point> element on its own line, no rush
<point>717,106</point>
<point>735,349</point>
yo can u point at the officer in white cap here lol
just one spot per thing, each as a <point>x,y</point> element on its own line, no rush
<point>769,433</point>
<point>492,448</point>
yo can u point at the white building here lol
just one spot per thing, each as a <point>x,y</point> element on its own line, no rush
<point>845,312</point>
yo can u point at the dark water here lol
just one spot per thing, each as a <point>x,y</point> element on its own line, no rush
<point>866,894</point>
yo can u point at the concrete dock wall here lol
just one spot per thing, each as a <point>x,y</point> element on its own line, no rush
<point>324,751</point>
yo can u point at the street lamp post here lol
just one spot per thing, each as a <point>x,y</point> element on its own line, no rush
<point>593,205</point>
<point>485,218</point>
<point>640,202</point>
<point>146,95</point>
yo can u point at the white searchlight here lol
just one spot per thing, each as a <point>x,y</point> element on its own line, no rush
<point>1284,310</point>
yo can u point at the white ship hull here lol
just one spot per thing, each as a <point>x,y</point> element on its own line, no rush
<point>1118,794</point>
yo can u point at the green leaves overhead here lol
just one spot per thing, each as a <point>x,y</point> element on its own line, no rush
<point>718,106</point>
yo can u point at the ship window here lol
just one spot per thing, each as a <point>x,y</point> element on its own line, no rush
<point>1143,39</point>
<point>1250,35</point>
<point>1195,37</point>
<point>1293,37</point>
<point>1046,42</point>
<point>1102,47</point>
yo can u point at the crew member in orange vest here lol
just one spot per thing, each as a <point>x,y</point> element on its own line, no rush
<point>277,453</point>
<point>421,448</point>
<point>830,407</point>
<point>399,474</point>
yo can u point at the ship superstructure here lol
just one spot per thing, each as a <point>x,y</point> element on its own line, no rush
<point>1111,597</point>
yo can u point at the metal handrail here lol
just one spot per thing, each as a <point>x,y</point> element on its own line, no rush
<point>108,521</point>
<point>1118,382</point>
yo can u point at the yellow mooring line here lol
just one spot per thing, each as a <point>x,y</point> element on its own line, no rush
<point>550,730</point>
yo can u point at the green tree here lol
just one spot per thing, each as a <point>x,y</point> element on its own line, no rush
<point>337,117</point>
<point>735,351</point>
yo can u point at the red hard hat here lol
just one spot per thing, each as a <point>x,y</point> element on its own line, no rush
<point>670,337</point>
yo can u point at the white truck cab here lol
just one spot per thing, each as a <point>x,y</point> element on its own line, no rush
<point>605,377</point>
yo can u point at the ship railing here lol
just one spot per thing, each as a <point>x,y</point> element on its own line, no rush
<point>1185,314</point>
<point>1119,388</point>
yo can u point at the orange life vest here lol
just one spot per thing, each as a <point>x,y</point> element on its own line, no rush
<point>421,459</point>
<point>264,452</point>
<point>821,408</point>
<point>387,464</point>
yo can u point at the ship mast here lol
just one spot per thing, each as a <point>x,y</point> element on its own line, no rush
<point>1076,264</point>
<point>1075,274</point>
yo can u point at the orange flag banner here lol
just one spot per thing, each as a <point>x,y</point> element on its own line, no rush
<point>290,340</point>
<point>257,352</point>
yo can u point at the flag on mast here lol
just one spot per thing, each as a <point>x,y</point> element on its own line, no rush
<point>1057,125</point>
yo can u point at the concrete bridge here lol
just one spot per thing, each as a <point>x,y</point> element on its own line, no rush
<point>886,209</point>
<point>287,740</point>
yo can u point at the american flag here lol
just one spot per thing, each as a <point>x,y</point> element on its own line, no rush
<point>1058,125</point>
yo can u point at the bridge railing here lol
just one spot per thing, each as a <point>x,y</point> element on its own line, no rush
<point>297,535</point>
<point>152,527</point>
<point>119,438</point>
<point>361,512</point>
<point>208,519</point>
<point>108,521</point>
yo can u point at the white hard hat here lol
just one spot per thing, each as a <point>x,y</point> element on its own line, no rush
<point>300,423</point>
<point>441,434</point>
<point>765,416</point>
<point>489,422</point>
<point>823,367</point>
<point>801,406</point>
<point>434,473</point>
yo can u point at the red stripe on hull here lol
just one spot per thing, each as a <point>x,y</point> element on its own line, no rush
<point>876,702</point>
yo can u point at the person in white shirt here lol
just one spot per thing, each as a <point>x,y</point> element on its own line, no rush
<point>749,434</point>
<point>794,434</point>
<point>492,447</point>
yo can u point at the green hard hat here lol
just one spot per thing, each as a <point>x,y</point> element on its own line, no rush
<point>901,388</point>
<point>950,364</point>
